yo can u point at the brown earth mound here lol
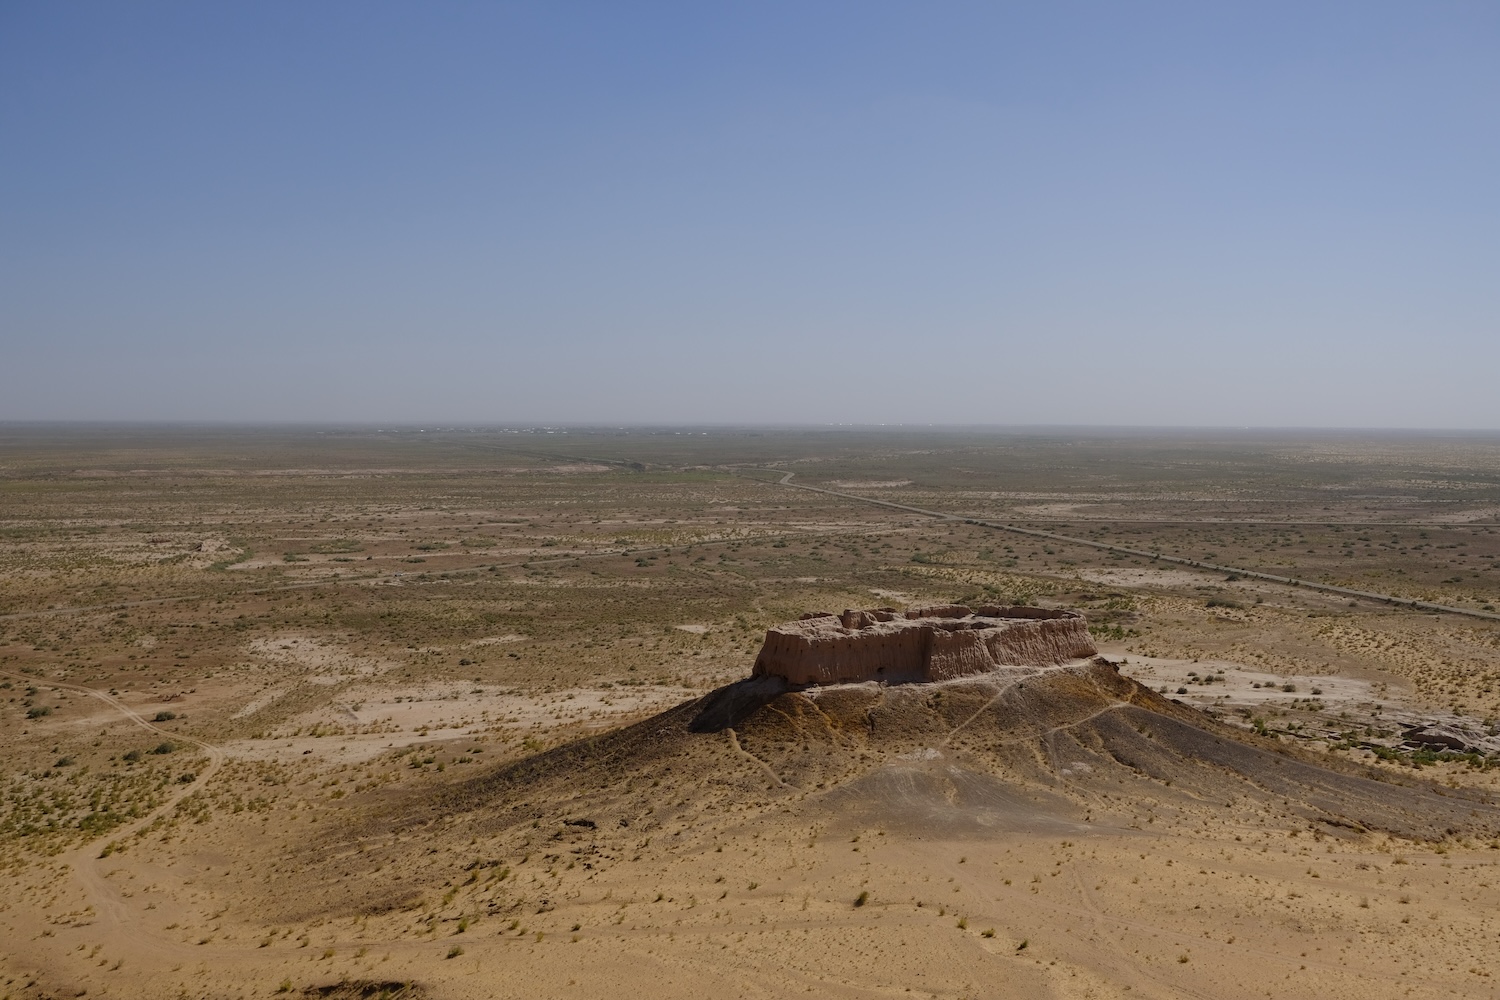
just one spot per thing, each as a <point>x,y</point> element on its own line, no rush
<point>1078,748</point>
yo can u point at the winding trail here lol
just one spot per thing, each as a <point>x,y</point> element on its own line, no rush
<point>109,906</point>
<point>947,740</point>
<point>734,741</point>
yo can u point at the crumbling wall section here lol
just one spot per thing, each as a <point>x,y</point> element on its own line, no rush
<point>1046,642</point>
<point>824,651</point>
<point>920,644</point>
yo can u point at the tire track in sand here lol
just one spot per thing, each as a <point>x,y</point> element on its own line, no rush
<point>108,904</point>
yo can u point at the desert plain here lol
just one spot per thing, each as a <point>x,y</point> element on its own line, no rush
<point>439,712</point>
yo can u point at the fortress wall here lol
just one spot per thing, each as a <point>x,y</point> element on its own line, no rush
<point>957,653</point>
<point>864,619</point>
<point>832,655</point>
<point>923,644</point>
<point>1037,643</point>
<point>938,611</point>
<point>1023,611</point>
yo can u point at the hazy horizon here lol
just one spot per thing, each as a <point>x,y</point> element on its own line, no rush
<point>707,427</point>
<point>1272,216</point>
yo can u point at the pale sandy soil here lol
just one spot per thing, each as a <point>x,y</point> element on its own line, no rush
<point>494,640</point>
<point>368,720</point>
<point>1205,903</point>
<point>315,658</point>
<point>1236,684</point>
<point>1125,577</point>
<point>1211,911</point>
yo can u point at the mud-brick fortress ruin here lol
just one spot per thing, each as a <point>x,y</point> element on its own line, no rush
<point>921,644</point>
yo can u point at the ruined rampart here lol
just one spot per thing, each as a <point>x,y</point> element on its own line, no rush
<point>920,644</point>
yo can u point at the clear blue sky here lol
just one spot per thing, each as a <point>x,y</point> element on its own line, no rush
<point>1050,212</point>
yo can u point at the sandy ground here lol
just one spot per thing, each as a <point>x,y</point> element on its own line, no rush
<point>785,901</point>
<point>540,607</point>
<point>373,721</point>
<point>1095,915</point>
<point>1141,577</point>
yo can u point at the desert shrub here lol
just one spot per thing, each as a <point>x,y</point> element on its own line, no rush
<point>101,821</point>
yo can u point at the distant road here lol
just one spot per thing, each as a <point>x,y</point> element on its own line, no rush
<point>1213,521</point>
<point>1327,588</point>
